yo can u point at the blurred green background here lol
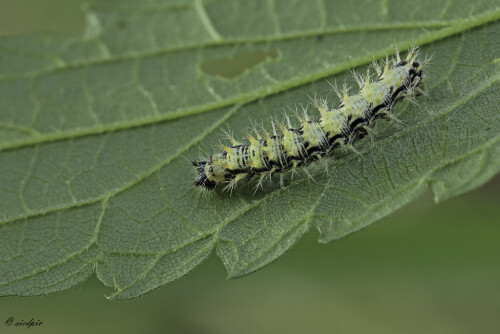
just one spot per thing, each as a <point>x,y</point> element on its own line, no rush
<point>425,269</point>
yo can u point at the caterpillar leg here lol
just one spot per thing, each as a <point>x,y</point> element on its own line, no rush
<point>294,168</point>
<point>259,182</point>
<point>388,115</point>
<point>232,183</point>
<point>420,91</point>
<point>349,147</point>
<point>372,134</point>
<point>324,164</point>
<point>309,176</point>
<point>270,173</point>
<point>282,183</point>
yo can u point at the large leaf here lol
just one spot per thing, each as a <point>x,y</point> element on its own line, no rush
<point>96,133</point>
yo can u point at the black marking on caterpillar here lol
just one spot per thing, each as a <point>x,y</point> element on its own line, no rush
<point>317,139</point>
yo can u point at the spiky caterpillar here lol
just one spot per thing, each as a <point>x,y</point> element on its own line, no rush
<point>317,139</point>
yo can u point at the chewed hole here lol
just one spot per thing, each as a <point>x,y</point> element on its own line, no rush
<point>229,68</point>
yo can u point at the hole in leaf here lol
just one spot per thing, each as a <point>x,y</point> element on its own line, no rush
<point>230,68</point>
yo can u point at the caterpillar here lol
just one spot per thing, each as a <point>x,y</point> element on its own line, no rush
<point>315,139</point>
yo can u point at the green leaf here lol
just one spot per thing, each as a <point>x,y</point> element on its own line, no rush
<point>96,133</point>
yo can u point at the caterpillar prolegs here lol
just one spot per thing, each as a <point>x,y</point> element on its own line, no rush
<point>267,154</point>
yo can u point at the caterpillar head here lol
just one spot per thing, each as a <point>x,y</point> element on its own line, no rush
<point>203,179</point>
<point>210,172</point>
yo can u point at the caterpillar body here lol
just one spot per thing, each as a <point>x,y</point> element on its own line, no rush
<point>315,139</point>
